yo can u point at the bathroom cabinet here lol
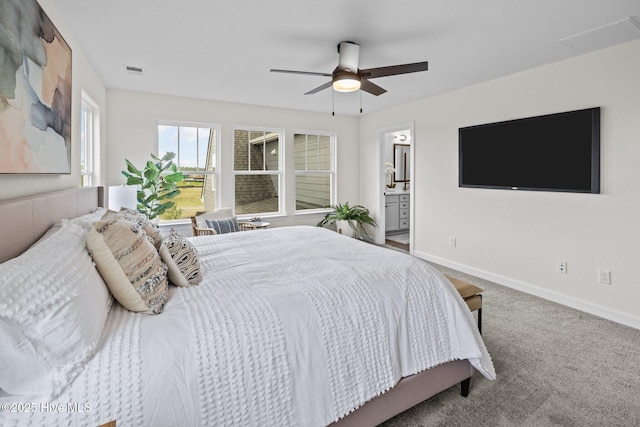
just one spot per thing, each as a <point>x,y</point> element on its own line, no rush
<point>396,212</point>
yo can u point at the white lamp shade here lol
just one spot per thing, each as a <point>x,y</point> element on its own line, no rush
<point>123,196</point>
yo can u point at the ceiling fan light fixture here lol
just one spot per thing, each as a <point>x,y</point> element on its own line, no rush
<point>346,82</point>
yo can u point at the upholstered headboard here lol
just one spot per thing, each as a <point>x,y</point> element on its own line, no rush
<point>25,219</point>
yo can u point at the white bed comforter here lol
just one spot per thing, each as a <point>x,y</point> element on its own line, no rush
<point>293,326</point>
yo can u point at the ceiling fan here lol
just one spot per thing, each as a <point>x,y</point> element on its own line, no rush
<point>347,77</point>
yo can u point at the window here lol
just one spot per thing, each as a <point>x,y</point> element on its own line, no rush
<point>195,147</point>
<point>87,141</point>
<point>314,169</point>
<point>257,171</point>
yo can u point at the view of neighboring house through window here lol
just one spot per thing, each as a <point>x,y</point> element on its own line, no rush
<point>314,169</point>
<point>195,147</point>
<point>87,118</point>
<point>257,170</point>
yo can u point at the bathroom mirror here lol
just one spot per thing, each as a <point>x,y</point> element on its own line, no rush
<point>401,162</point>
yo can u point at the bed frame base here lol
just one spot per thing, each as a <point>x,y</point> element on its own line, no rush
<point>464,387</point>
<point>409,392</point>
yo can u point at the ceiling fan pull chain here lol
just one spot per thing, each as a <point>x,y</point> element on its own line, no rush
<point>360,102</point>
<point>333,103</point>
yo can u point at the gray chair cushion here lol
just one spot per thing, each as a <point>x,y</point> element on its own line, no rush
<point>224,225</point>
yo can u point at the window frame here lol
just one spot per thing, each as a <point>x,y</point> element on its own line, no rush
<point>89,138</point>
<point>216,173</point>
<point>332,173</point>
<point>280,173</point>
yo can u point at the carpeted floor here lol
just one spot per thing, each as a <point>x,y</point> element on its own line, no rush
<point>556,366</point>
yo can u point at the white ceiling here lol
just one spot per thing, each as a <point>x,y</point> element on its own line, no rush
<point>223,50</point>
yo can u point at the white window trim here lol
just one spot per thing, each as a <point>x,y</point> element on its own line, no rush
<point>332,198</point>
<point>270,133</point>
<point>91,140</point>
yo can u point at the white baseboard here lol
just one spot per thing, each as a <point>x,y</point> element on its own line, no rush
<point>578,304</point>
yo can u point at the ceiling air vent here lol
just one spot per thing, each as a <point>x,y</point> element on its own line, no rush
<point>133,70</point>
<point>605,36</point>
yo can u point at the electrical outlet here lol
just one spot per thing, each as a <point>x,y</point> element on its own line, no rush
<point>562,267</point>
<point>604,276</point>
<point>452,242</point>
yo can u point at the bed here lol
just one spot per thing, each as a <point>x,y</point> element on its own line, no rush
<point>289,326</point>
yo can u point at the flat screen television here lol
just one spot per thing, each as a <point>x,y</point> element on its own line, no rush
<point>554,152</point>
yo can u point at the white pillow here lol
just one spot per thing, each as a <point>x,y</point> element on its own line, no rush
<point>53,306</point>
<point>86,220</point>
<point>129,264</point>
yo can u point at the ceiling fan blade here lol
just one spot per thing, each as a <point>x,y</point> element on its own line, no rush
<point>319,88</point>
<point>393,70</point>
<point>349,56</point>
<point>372,88</point>
<point>308,73</point>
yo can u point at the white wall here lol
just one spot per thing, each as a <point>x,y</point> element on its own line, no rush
<point>84,78</point>
<point>517,237</point>
<point>132,130</point>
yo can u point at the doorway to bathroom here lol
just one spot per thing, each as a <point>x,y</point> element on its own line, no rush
<point>396,148</point>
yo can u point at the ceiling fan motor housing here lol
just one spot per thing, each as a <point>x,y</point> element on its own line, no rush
<point>349,56</point>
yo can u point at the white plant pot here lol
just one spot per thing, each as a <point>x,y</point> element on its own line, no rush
<point>342,227</point>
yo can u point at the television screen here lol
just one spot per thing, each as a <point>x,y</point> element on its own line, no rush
<point>555,152</point>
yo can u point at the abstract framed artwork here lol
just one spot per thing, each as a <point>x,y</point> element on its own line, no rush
<point>35,92</point>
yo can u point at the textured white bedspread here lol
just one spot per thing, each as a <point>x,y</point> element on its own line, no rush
<point>292,326</point>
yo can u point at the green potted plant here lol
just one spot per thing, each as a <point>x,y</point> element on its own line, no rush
<point>157,184</point>
<point>354,217</point>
